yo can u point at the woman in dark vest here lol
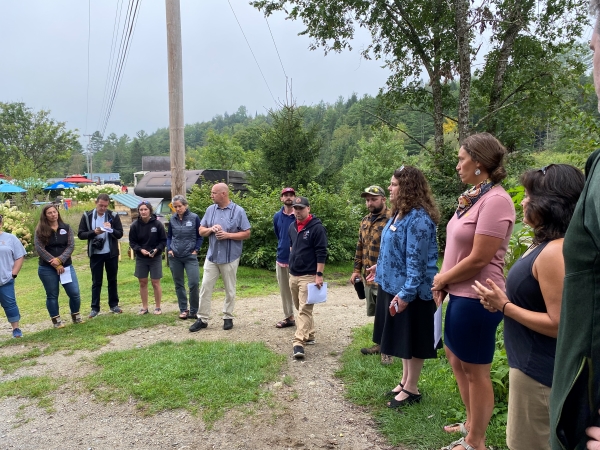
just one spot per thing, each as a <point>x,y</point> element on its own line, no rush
<point>54,243</point>
<point>532,303</point>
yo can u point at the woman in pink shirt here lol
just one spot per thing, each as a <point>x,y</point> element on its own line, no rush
<point>477,239</point>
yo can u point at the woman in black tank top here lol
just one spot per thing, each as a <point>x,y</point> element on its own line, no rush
<point>532,302</point>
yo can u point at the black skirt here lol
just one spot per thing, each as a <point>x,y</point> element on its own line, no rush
<point>408,334</point>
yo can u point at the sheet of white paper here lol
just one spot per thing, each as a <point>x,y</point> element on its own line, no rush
<point>108,230</point>
<point>316,295</point>
<point>65,277</point>
<point>437,326</point>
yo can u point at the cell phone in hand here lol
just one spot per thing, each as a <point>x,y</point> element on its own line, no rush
<point>152,252</point>
<point>393,307</point>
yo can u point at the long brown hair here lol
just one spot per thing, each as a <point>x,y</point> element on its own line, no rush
<point>43,231</point>
<point>414,193</point>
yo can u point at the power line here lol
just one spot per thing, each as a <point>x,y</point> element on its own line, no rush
<point>276,49</point>
<point>255,60</point>
<point>87,101</point>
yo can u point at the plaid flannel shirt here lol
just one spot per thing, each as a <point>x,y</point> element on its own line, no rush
<point>369,238</point>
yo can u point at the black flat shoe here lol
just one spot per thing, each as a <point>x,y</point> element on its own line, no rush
<point>412,398</point>
<point>394,393</point>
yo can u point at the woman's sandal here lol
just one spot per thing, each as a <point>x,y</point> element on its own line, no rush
<point>393,393</point>
<point>412,398</point>
<point>461,428</point>
<point>184,314</point>
<point>285,323</point>
<point>142,311</point>
<point>157,311</point>
<point>462,442</point>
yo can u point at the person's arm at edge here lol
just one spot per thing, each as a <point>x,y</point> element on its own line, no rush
<point>199,237</point>
<point>417,255</point>
<point>169,237</point>
<point>133,237</point>
<point>117,226</point>
<point>162,238</point>
<point>358,255</point>
<point>83,232</point>
<point>18,264</point>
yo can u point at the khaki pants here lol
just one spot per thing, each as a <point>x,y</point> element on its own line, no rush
<point>528,424</point>
<point>305,329</point>
<point>211,273</point>
<point>283,279</point>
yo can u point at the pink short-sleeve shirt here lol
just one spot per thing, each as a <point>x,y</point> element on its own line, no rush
<point>492,215</point>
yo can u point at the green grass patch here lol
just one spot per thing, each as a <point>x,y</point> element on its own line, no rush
<point>205,377</point>
<point>91,335</point>
<point>37,388</point>
<point>420,426</point>
<point>31,297</point>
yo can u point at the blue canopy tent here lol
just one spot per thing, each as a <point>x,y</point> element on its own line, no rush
<point>59,185</point>
<point>10,188</point>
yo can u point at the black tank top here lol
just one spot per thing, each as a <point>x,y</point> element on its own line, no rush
<point>527,350</point>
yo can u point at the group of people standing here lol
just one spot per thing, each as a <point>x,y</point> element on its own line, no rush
<point>397,257</point>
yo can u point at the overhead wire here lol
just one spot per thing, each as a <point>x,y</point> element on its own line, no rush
<point>87,101</point>
<point>251,51</point>
<point>276,49</point>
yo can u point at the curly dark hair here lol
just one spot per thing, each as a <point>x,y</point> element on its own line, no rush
<point>414,192</point>
<point>43,231</point>
<point>553,192</point>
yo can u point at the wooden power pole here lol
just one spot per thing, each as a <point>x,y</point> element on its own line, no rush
<point>176,124</point>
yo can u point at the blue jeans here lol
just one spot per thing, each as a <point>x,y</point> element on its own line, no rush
<point>9,301</point>
<point>51,280</point>
<point>188,264</point>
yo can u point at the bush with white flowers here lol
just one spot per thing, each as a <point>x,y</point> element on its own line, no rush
<point>90,193</point>
<point>15,222</point>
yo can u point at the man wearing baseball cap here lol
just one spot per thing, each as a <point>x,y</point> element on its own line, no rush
<point>281,224</point>
<point>367,251</point>
<point>308,242</point>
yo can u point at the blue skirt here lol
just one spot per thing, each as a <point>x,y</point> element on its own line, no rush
<point>470,330</point>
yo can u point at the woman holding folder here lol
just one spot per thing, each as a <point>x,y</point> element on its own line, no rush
<point>54,243</point>
<point>404,271</point>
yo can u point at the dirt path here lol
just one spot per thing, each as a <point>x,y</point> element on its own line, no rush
<point>309,414</point>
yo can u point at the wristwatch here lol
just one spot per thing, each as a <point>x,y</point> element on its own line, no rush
<point>14,276</point>
<point>319,274</point>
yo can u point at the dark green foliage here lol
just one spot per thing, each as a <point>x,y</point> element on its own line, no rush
<point>339,217</point>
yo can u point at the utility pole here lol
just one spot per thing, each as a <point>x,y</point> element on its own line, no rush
<point>176,124</point>
<point>90,156</point>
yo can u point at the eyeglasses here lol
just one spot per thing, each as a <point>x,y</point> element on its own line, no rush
<point>545,169</point>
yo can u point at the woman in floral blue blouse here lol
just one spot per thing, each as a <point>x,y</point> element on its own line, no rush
<point>405,270</point>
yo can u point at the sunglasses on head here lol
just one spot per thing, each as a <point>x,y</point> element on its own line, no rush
<point>144,202</point>
<point>545,169</point>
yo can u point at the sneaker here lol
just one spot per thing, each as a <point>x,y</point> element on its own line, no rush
<point>310,342</point>
<point>386,360</point>
<point>17,333</point>
<point>93,313</point>
<point>116,310</point>
<point>375,350</point>
<point>298,352</point>
<point>198,325</point>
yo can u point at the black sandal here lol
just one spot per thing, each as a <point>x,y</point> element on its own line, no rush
<point>412,398</point>
<point>393,393</point>
<point>285,323</point>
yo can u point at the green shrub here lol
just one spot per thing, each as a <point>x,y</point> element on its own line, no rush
<point>18,223</point>
<point>339,217</point>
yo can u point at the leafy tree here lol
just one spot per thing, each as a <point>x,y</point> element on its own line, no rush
<point>288,150</point>
<point>34,138</point>
<point>220,152</point>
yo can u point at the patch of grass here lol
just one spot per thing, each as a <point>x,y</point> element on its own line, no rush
<point>91,335</point>
<point>251,282</point>
<point>11,363</point>
<point>36,388</point>
<point>288,380</point>
<point>209,377</point>
<point>421,425</point>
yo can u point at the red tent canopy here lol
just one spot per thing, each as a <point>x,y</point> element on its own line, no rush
<point>77,179</point>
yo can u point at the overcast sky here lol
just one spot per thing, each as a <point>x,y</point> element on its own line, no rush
<point>43,54</point>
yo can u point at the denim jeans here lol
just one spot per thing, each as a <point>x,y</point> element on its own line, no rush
<point>9,301</point>
<point>51,281</point>
<point>190,265</point>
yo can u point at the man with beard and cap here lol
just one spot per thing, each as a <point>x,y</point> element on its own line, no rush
<point>575,395</point>
<point>367,252</point>
<point>281,225</point>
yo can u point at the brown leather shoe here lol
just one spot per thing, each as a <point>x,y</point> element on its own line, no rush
<point>386,360</point>
<point>371,350</point>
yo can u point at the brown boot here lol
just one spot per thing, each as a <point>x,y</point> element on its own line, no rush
<point>386,360</point>
<point>57,323</point>
<point>371,350</point>
<point>76,318</point>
